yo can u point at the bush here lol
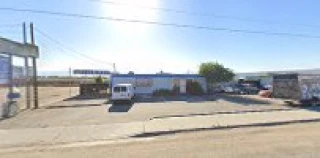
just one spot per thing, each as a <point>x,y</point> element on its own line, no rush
<point>162,92</point>
<point>176,90</point>
<point>99,80</point>
<point>194,88</point>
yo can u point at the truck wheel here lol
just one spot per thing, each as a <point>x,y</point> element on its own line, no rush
<point>131,101</point>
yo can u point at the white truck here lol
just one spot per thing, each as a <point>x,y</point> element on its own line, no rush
<point>122,92</point>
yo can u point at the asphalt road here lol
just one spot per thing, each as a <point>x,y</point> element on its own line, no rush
<point>296,140</point>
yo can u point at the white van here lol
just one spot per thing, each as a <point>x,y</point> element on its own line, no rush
<point>122,92</point>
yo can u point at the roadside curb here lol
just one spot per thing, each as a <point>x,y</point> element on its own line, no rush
<point>219,113</point>
<point>256,98</point>
<point>144,136</point>
<point>163,133</point>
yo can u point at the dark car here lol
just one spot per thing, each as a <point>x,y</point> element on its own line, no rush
<point>247,89</point>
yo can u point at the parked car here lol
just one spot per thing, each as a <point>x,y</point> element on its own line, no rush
<point>228,89</point>
<point>217,89</point>
<point>247,89</point>
<point>267,87</point>
<point>122,92</point>
<point>265,93</point>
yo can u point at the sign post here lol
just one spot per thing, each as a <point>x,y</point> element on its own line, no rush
<point>4,82</point>
<point>4,70</point>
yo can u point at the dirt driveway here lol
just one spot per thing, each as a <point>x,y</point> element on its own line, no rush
<point>97,111</point>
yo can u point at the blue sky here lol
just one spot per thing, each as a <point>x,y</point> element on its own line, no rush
<point>150,48</point>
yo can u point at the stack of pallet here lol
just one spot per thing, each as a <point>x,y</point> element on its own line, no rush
<point>94,90</point>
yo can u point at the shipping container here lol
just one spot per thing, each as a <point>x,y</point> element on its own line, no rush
<point>298,87</point>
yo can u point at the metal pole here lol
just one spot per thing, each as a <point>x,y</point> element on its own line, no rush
<point>35,75</point>
<point>114,67</point>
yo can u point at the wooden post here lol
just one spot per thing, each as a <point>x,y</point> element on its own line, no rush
<point>24,30</point>
<point>70,79</point>
<point>26,62</point>
<point>10,74</point>
<point>27,83</point>
<point>35,74</point>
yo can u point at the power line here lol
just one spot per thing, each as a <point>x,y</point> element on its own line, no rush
<point>70,49</point>
<point>177,25</point>
<point>9,32</point>
<point>185,12</point>
<point>10,25</point>
<point>78,57</point>
<point>6,29</point>
<point>72,55</point>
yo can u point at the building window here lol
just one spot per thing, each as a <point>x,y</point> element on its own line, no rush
<point>144,82</point>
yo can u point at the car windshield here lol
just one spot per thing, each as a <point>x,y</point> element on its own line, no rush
<point>118,89</point>
<point>123,89</point>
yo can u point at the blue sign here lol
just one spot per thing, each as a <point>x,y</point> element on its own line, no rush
<point>91,72</point>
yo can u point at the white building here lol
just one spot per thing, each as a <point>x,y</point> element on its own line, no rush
<point>266,77</point>
<point>147,83</point>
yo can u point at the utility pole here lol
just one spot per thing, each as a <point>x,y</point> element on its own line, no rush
<point>114,67</point>
<point>26,62</point>
<point>35,74</point>
<point>70,79</point>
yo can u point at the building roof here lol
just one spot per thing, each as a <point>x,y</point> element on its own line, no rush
<point>158,75</point>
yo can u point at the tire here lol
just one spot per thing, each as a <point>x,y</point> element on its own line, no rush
<point>131,100</point>
<point>11,109</point>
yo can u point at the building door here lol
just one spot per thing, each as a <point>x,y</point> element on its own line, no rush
<point>183,86</point>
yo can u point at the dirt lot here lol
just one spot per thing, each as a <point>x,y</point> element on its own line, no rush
<point>97,111</point>
<point>47,95</point>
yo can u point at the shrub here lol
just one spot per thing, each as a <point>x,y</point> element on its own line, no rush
<point>176,90</point>
<point>99,80</point>
<point>194,88</point>
<point>162,92</point>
